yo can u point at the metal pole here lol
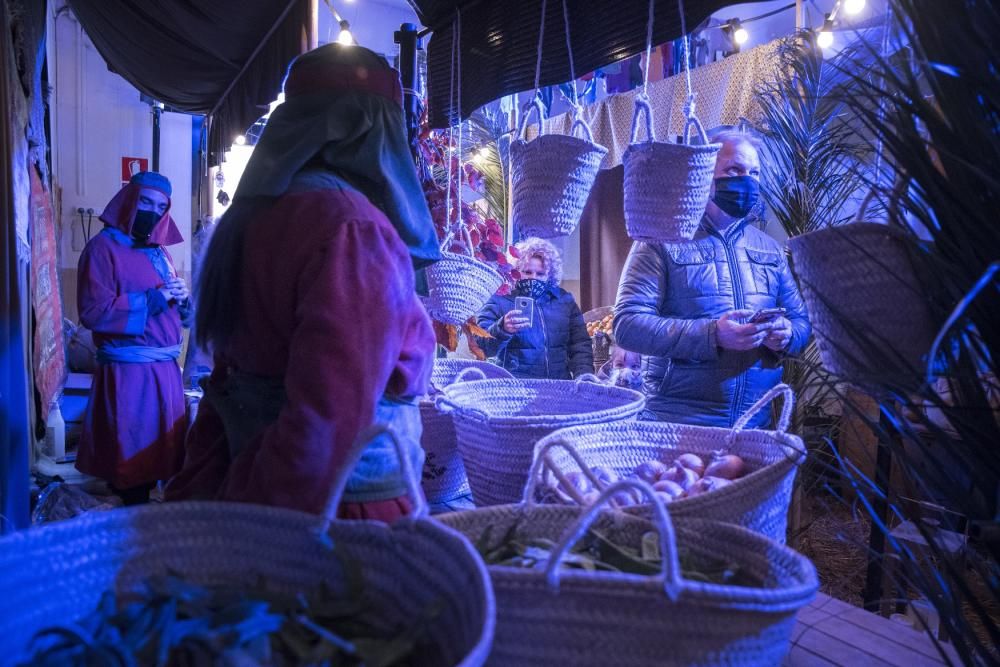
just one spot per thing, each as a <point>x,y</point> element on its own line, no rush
<point>157,110</point>
<point>409,43</point>
<point>799,15</point>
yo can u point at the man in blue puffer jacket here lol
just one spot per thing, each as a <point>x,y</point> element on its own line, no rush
<point>554,344</point>
<point>685,306</point>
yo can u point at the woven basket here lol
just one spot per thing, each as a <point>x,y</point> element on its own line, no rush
<point>551,178</point>
<point>612,619</point>
<point>459,285</point>
<point>443,477</point>
<point>57,573</point>
<point>758,501</point>
<point>867,304</point>
<point>666,185</point>
<point>498,423</point>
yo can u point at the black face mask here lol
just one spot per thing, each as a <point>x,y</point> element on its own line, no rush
<point>143,225</point>
<point>531,287</point>
<point>736,195</point>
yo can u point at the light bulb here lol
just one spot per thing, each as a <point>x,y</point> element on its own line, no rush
<point>240,139</point>
<point>345,38</point>
<point>741,36</point>
<point>824,39</point>
<point>853,6</point>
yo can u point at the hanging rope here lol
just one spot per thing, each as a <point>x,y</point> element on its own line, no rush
<point>461,171</point>
<point>572,68</point>
<point>649,49</point>
<point>451,137</point>
<point>689,103</point>
<point>541,35</point>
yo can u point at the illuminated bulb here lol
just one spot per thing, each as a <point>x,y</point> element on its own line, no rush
<point>853,6</point>
<point>345,38</point>
<point>741,36</point>
<point>825,39</point>
<point>240,139</point>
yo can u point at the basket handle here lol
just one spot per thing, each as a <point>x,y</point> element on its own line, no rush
<point>357,449</point>
<point>786,411</point>
<point>671,566</point>
<point>467,237</point>
<point>460,377</point>
<point>443,404</point>
<point>534,105</point>
<point>588,377</point>
<point>582,125</point>
<point>542,458</point>
<point>642,105</point>
<point>692,120</point>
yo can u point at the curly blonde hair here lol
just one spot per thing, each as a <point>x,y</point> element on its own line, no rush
<point>543,250</point>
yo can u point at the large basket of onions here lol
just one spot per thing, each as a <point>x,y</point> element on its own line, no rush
<point>738,476</point>
<point>591,588</point>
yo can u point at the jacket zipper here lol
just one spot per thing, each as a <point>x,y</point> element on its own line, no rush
<point>734,275</point>
<point>545,340</point>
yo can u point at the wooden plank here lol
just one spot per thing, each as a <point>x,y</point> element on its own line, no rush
<point>833,649</point>
<point>801,657</point>
<point>896,632</point>
<point>889,652</point>
<point>809,616</point>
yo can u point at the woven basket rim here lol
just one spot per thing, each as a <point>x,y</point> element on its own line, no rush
<point>728,595</point>
<point>636,403</point>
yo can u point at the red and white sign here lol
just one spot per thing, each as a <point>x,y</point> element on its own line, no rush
<point>132,166</point>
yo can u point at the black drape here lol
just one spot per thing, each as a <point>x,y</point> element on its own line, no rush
<point>191,55</point>
<point>499,41</point>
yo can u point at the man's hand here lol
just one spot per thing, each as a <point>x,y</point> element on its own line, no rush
<point>780,335</point>
<point>513,322</point>
<point>732,335</point>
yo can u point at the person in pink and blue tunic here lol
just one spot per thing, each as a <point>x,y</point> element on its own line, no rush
<point>129,295</point>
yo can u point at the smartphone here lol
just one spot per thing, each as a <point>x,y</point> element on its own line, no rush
<point>766,315</point>
<point>527,307</point>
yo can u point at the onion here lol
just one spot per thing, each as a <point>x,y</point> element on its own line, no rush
<point>681,475</point>
<point>673,489</point>
<point>650,471</point>
<point>727,466</point>
<point>625,498</point>
<point>692,461</point>
<point>605,476</point>
<point>706,484</point>
<point>665,498</point>
<point>590,497</point>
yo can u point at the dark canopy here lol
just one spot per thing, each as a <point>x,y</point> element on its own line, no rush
<point>225,58</point>
<point>499,40</point>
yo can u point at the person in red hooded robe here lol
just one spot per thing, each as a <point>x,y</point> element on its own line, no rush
<point>130,296</point>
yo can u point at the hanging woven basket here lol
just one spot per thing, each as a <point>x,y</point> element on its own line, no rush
<point>666,185</point>
<point>551,178</point>
<point>867,304</point>
<point>56,574</point>
<point>459,285</point>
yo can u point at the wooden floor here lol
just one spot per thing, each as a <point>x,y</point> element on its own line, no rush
<point>832,632</point>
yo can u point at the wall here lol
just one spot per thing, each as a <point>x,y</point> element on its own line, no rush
<point>96,119</point>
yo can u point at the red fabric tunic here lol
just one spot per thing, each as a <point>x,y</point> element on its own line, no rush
<point>327,304</point>
<point>135,422</point>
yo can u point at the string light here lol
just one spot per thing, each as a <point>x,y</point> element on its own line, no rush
<point>854,6</point>
<point>740,34</point>
<point>825,37</point>
<point>345,37</point>
<point>240,140</point>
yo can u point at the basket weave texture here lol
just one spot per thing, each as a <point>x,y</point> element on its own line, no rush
<point>56,573</point>
<point>758,501</point>
<point>443,475</point>
<point>498,423</point>
<point>866,302</point>
<point>613,619</point>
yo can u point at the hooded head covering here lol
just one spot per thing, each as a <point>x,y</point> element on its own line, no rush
<point>342,112</point>
<point>120,211</point>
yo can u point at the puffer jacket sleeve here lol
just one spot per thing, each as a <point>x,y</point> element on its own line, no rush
<point>790,299</point>
<point>581,352</point>
<point>491,319</point>
<point>638,324</point>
